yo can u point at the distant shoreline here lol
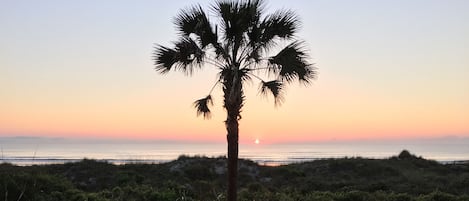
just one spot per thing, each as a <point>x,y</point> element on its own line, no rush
<point>29,161</point>
<point>36,151</point>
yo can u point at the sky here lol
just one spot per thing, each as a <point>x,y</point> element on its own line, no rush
<point>83,69</point>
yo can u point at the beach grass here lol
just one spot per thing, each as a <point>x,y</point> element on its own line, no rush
<point>402,177</point>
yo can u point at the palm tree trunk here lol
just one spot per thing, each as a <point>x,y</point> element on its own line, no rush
<point>234,98</point>
<point>232,138</point>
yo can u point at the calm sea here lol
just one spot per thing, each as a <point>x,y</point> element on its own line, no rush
<point>28,151</point>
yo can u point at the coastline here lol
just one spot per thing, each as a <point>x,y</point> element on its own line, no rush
<point>30,151</point>
<point>29,161</point>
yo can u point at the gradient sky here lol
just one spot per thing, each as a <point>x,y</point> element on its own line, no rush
<point>387,69</point>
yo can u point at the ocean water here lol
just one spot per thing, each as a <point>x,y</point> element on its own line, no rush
<point>29,151</point>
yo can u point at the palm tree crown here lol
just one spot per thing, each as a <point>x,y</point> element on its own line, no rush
<point>239,42</point>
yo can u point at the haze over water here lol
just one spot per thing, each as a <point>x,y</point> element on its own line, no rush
<point>33,150</point>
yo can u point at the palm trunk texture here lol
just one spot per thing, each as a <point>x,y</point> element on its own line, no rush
<point>232,138</point>
<point>233,95</point>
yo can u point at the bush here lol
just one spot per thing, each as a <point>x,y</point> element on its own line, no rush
<point>438,196</point>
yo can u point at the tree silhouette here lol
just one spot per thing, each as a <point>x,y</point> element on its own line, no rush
<point>242,43</point>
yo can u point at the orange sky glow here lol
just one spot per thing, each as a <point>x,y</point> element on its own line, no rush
<point>390,70</point>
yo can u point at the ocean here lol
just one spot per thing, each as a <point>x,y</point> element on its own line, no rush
<point>36,150</point>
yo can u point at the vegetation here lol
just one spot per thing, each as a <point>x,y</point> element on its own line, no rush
<point>239,43</point>
<point>406,178</point>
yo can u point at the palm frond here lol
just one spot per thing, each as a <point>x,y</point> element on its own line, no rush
<point>251,11</point>
<point>227,11</point>
<point>275,87</point>
<point>189,51</point>
<point>189,19</point>
<point>201,106</point>
<point>185,56</point>
<point>164,58</point>
<point>195,21</point>
<point>283,24</point>
<point>237,17</point>
<point>290,64</point>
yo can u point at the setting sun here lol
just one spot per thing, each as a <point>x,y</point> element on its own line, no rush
<point>256,141</point>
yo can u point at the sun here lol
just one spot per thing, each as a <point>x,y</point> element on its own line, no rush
<point>256,141</point>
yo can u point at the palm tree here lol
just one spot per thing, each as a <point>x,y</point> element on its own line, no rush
<point>242,43</point>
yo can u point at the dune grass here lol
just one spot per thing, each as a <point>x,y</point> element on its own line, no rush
<point>400,178</point>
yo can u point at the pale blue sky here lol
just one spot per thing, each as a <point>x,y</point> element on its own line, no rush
<point>96,55</point>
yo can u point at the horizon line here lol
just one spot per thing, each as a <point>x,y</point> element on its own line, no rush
<point>163,140</point>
